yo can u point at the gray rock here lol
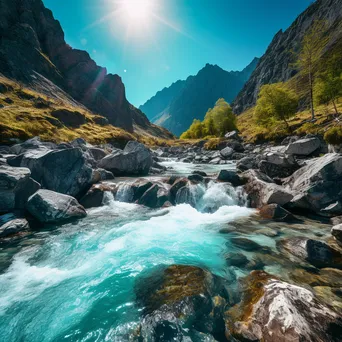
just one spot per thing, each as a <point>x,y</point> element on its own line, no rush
<point>52,207</point>
<point>66,172</point>
<point>276,212</point>
<point>154,197</point>
<point>135,159</point>
<point>232,135</point>
<point>13,227</point>
<point>230,176</point>
<point>303,147</point>
<point>336,231</point>
<point>15,187</point>
<point>318,184</point>
<point>282,312</point>
<point>247,163</point>
<point>226,152</point>
<point>262,190</point>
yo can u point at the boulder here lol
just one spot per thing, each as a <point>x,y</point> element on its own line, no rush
<point>276,212</point>
<point>227,152</point>
<point>236,259</point>
<point>100,175</point>
<point>178,184</point>
<point>97,153</point>
<point>195,178</point>
<point>177,296</point>
<point>140,187</point>
<point>247,163</point>
<point>303,147</point>
<point>135,159</point>
<point>232,135</point>
<point>336,231</point>
<point>315,252</point>
<point>66,172</point>
<point>52,207</point>
<point>276,170</point>
<point>318,184</point>
<point>93,198</point>
<point>201,173</point>
<point>245,244</point>
<point>13,227</point>
<point>229,176</point>
<point>273,310</point>
<point>154,197</point>
<point>15,187</point>
<point>262,190</point>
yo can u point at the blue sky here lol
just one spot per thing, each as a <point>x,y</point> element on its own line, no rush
<point>167,40</point>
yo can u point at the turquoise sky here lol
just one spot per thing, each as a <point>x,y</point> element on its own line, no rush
<point>171,39</point>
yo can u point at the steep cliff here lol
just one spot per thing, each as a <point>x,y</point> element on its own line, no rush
<point>33,50</point>
<point>276,65</point>
<point>175,107</point>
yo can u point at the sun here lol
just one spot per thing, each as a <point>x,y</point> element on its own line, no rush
<point>137,10</point>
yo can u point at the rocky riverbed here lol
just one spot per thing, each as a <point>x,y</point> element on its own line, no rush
<point>172,244</point>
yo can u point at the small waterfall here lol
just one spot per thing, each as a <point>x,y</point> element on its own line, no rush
<point>190,194</point>
<point>125,193</point>
<point>216,196</point>
<point>108,198</point>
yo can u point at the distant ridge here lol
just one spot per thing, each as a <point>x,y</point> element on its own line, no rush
<point>176,106</point>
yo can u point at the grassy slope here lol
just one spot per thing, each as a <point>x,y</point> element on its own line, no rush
<point>300,124</point>
<point>22,119</point>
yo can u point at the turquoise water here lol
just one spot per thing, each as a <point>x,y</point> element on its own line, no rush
<point>78,283</point>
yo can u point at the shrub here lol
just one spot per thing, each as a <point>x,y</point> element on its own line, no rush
<point>334,136</point>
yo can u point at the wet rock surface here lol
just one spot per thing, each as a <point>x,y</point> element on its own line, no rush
<point>273,310</point>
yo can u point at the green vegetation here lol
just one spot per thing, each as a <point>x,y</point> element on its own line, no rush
<point>217,121</point>
<point>328,85</point>
<point>311,52</point>
<point>25,113</point>
<point>334,136</point>
<point>275,102</point>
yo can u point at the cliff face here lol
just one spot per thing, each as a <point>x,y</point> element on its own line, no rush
<point>276,64</point>
<point>32,47</point>
<point>177,106</point>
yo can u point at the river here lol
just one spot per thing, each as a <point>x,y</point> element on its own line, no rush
<point>76,282</point>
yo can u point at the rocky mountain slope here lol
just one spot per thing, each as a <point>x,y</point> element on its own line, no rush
<point>175,107</point>
<point>276,64</point>
<point>33,51</point>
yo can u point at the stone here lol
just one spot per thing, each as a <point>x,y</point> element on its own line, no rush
<point>230,177</point>
<point>100,175</point>
<point>262,190</point>
<point>246,163</point>
<point>195,178</point>
<point>276,212</point>
<point>236,259</point>
<point>178,184</point>
<point>245,244</point>
<point>318,184</point>
<point>66,172</point>
<point>232,135</point>
<point>273,310</point>
<point>275,170</point>
<point>140,187</point>
<point>69,118</point>
<point>13,227</point>
<point>179,295</point>
<point>97,153</point>
<point>303,147</point>
<point>52,207</point>
<point>315,252</point>
<point>93,198</point>
<point>336,232</point>
<point>154,197</point>
<point>336,220</point>
<point>201,173</point>
<point>135,159</point>
<point>15,187</point>
<point>227,152</point>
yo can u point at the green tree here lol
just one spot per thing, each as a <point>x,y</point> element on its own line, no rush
<point>328,85</point>
<point>275,102</point>
<point>311,51</point>
<point>217,121</point>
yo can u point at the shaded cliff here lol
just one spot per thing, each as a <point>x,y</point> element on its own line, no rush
<point>33,50</point>
<point>276,65</point>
